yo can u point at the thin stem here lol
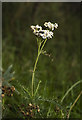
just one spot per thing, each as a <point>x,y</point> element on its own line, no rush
<point>43,44</point>
<point>39,52</point>
<point>34,73</point>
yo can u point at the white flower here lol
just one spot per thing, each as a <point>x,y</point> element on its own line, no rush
<point>45,34</point>
<point>42,34</point>
<point>32,27</point>
<point>36,32</point>
<point>56,25</point>
<point>36,29</point>
<point>45,24</point>
<point>51,33</point>
<point>50,25</point>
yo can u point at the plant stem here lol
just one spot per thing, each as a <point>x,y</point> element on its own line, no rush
<point>43,44</point>
<point>39,52</point>
<point>34,73</point>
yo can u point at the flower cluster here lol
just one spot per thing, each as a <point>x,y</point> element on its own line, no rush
<point>44,34</point>
<point>36,29</point>
<point>51,25</point>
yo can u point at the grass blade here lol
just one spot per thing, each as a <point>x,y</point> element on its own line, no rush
<point>70,90</point>
<point>37,88</point>
<point>74,103</point>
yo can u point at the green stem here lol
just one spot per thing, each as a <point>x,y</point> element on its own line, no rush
<point>39,52</point>
<point>43,44</point>
<point>34,73</point>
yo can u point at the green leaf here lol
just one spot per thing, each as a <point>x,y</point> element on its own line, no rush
<point>26,90</point>
<point>37,88</point>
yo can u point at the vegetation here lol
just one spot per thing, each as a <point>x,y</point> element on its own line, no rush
<point>52,88</point>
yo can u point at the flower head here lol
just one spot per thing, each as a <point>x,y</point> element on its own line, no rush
<point>50,25</point>
<point>36,29</point>
<point>44,34</point>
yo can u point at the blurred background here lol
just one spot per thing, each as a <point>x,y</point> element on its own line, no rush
<point>62,69</point>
